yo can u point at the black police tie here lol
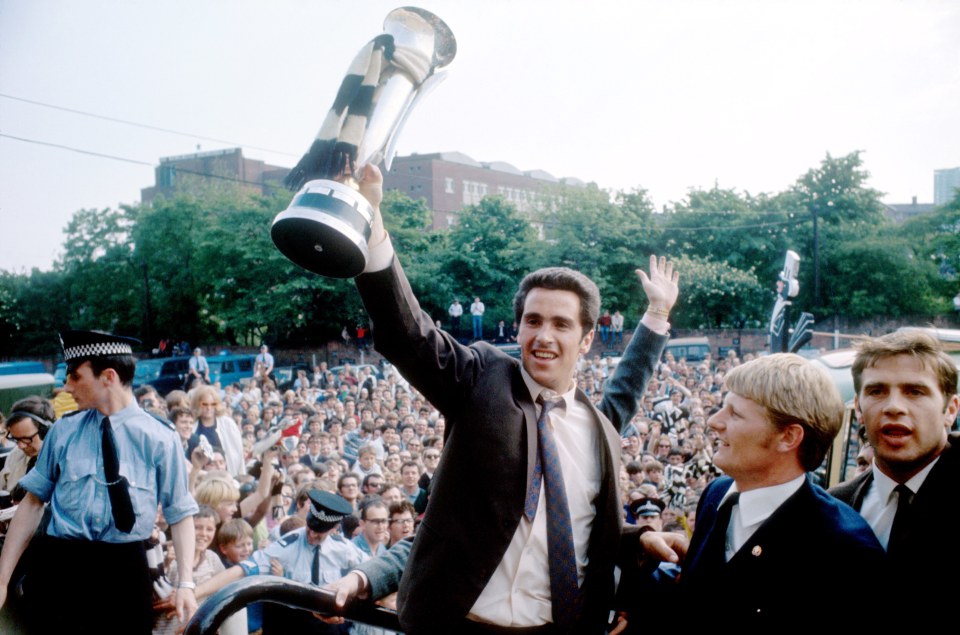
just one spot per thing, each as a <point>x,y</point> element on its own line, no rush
<point>123,516</point>
<point>900,519</point>
<point>315,570</point>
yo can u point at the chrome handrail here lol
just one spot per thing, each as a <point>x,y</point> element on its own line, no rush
<point>276,590</point>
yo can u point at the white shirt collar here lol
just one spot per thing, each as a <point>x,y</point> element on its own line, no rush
<point>757,505</point>
<point>535,389</point>
<point>885,485</point>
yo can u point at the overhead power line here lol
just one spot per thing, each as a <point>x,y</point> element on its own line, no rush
<point>79,150</point>
<point>113,157</point>
<point>136,124</point>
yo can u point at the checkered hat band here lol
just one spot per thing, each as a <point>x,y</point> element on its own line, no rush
<point>97,350</point>
<point>322,515</point>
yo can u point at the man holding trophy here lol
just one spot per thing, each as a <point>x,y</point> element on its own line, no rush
<point>524,520</point>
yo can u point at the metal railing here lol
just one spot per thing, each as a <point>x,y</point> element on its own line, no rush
<point>276,590</point>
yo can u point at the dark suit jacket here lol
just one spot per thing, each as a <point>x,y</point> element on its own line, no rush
<point>930,524</point>
<point>478,491</point>
<point>811,551</point>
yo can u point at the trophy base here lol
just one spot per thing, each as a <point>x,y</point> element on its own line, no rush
<point>325,229</point>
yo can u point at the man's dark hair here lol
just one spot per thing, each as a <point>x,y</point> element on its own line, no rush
<point>344,477</point>
<point>123,365</point>
<point>403,506</point>
<point>366,480</point>
<point>562,279</point>
<point>35,408</point>
<point>372,503</point>
<point>349,525</point>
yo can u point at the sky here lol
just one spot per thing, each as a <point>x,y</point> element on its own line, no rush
<point>661,95</point>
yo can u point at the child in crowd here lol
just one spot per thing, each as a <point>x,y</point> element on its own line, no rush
<point>235,544</point>
<point>206,564</point>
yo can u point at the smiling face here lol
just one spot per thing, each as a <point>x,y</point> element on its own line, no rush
<point>238,550</point>
<point>906,414</point>
<point>205,528</point>
<point>747,446</point>
<point>375,525</point>
<point>551,337</point>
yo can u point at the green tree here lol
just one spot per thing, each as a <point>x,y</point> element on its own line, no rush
<point>603,239</point>
<point>846,210</point>
<point>723,225</point>
<point>486,254</point>
<point>714,294</point>
<point>882,277</point>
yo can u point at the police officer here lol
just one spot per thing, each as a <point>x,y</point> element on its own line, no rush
<point>103,470</point>
<point>314,554</point>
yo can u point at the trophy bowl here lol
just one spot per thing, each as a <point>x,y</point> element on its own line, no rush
<point>326,227</point>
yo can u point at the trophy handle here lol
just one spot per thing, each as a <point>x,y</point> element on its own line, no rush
<point>425,88</point>
<point>426,37</point>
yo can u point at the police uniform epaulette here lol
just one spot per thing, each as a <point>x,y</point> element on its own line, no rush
<point>166,422</point>
<point>288,539</point>
<point>72,412</point>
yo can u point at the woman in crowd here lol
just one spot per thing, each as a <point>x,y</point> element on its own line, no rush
<point>222,431</point>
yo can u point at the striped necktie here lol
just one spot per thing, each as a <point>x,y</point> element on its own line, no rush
<point>564,588</point>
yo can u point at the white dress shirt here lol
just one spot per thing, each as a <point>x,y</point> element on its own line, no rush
<point>518,593</point>
<point>753,508</point>
<point>880,502</point>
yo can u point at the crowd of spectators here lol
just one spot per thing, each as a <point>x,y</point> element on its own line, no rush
<point>254,454</point>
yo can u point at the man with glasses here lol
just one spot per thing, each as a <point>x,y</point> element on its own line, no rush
<point>372,484</point>
<point>27,425</point>
<point>348,486</point>
<point>431,459</point>
<point>401,522</point>
<point>374,530</point>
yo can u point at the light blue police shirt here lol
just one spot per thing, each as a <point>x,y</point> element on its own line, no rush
<point>337,557</point>
<point>69,475</point>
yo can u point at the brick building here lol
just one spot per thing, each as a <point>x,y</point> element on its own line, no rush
<point>448,181</point>
<point>205,170</point>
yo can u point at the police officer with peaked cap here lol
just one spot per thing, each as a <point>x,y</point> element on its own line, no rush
<point>103,470</point>
<point>314,554</point>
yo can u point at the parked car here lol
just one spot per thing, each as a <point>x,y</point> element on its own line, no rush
<point>285,376</point>
<point>163,373</point>
<point>693,349</point>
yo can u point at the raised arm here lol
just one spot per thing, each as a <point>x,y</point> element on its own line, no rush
<point>429,358</point>
<point>625,389</point>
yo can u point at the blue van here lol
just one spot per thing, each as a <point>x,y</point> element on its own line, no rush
<point>229,368</point>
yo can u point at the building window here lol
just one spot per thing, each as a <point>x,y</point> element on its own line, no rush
<point>449,185</point>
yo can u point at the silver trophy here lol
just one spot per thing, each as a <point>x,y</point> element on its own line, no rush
<point>326,227</point>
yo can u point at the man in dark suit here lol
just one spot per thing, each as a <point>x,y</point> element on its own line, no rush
<point>907,400</point>
<point>480,562</point>
<point>767,538</point>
